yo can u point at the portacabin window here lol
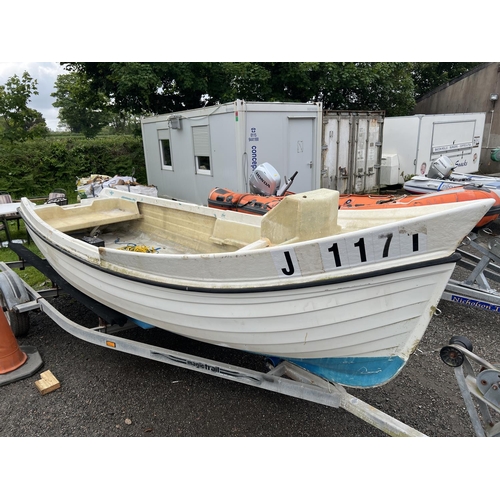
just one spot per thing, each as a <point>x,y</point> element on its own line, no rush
<point>203,163</point>
<point>201,147</point>
<point>165,153</point>
<point>165,150</point>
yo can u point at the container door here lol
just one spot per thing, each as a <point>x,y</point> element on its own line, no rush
<point>336,151</point>
<point>301,136</point>
<point>351,151</point>
<point>367,148</point>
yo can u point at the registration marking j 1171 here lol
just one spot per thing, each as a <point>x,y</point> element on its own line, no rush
<point>352,251</point>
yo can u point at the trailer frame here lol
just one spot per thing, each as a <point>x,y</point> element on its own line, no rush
<point>476,290</point>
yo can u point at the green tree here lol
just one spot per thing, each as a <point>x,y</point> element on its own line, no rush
<point>275,81</point>
<point>355,86</point>
<point>349,86</point>
<point>167,87</point>
<point>81,108</point>
<point>18,122</point>
<point>430,75</point>
<point>142,88</point>
<point>126,123</point>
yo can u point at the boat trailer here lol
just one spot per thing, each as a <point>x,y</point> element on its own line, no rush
<point>484,265</point>
<point>18,298</point>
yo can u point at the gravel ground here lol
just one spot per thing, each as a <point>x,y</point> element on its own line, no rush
<point>109,393</point>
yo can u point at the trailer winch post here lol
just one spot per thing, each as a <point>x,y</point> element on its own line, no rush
<point>475,387</point>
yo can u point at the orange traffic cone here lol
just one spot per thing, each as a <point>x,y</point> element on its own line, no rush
<point>15,363</point>
<point>11,357</point>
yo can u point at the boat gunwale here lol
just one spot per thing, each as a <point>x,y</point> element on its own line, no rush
<point>452,258</point>
<point>427,212</point>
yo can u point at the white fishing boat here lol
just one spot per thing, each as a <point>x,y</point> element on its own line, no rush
<point>345,295</point>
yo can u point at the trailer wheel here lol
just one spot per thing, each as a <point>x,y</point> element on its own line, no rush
<point>12,293</point>
<point>463,341</point>
<point>19,322</point>
<point>452,356</point>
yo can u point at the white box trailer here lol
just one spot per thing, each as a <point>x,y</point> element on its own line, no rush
<point>410,143</point>
<point>192,152</point>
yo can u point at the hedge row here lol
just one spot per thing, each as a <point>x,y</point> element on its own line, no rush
<point>33,168</point>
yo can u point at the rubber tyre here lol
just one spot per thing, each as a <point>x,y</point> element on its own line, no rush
<point>19,322</point>
<point>463,341</point>
<point>451,356</point>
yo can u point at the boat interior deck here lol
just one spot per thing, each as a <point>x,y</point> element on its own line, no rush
<point>119,222</point>
<point>189,229</point>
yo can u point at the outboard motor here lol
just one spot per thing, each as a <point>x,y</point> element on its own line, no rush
<point>265,180</point>
<point>442,168</point>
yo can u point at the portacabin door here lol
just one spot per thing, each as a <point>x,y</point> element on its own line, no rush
<point>301,153</point>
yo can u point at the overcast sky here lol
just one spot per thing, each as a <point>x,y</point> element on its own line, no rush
<point>45,73</point>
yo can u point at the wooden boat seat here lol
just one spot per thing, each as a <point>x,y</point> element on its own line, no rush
<point>97,213</point>
<point>301,217</point>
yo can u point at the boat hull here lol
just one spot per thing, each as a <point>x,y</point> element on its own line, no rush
<point>350,307</point>
<point>358,333</point>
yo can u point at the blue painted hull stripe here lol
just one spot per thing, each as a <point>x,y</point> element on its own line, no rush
<point>354,372</point>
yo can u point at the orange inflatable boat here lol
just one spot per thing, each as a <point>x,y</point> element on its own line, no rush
<point>226,199</point>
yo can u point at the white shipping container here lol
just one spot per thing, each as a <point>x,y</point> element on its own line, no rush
<point>351,150</point>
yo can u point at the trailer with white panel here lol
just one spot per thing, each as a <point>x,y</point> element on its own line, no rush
<point>411,143</point>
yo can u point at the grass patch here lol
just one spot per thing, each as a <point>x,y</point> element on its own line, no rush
<point>30,275</point>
